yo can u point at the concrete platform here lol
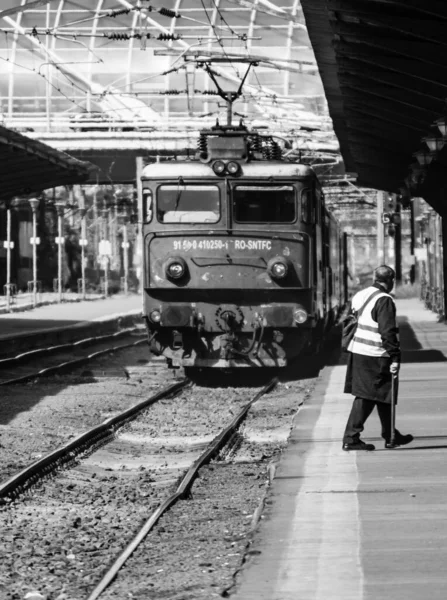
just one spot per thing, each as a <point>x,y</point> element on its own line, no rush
<point>60,323</point>
<point>361,525</point>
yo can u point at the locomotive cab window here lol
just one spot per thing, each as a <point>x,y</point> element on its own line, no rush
<point>264,204</point>
<point>308,211</point>
<point>147,205</point>
<point>187,203</point>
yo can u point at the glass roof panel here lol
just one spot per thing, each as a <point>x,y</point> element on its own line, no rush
<point>141,61</point>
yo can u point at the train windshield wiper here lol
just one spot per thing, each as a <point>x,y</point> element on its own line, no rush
<point>181,185</point>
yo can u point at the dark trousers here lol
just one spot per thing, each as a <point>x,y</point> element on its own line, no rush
<point>360,411</point>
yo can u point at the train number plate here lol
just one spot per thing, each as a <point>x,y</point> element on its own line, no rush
<point>190,245</point>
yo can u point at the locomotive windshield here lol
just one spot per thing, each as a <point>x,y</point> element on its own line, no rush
<point>264,204</point>
<point>184,203</point>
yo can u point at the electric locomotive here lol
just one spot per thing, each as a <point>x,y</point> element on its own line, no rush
<point>242,261</point>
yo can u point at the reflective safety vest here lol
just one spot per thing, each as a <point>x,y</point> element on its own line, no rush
<point>367,339</point>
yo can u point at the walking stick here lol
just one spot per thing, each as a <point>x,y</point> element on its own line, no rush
<point>393,409</point>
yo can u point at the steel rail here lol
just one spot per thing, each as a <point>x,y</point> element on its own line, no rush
<point>69,363</point>
<point>51,349</point>
<point>79,445</point>
<point>182,491</point>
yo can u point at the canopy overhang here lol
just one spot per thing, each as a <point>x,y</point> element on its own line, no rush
<point>383,69</point>
<point>30,166</point>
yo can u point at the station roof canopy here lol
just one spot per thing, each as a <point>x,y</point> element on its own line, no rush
<point>382,63</point>
<point>87,69</point>
<point>82,66</point>
<point>29,166</point>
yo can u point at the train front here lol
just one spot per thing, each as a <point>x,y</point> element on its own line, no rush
<point>227,255</point>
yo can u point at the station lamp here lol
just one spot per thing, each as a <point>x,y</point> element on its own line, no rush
<point>424,158</point>
<point>435,144</point>
<point>441,124</point>
<point>34,203</point>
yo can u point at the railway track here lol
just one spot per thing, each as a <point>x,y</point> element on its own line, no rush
<point>182,491</point>
<point>95,467</point>
<point>43,362</point>
<point>197,548</point>
<point>81,445</point>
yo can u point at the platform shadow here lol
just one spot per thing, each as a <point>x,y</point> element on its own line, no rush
<point>332,354</point>
<point>234,378</point>
<point>422,438</point>
<point>412,350</point>
<point>21,333</point>
<point>22,397</point>
<point>309,366</point>
<point>422,356</point>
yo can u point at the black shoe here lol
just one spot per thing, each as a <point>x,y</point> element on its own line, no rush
<point>358,445</point>
<point>400,440</point>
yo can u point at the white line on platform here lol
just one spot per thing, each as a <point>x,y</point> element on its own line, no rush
<point>323,558</point>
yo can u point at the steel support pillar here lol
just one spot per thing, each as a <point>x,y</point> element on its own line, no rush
<point>8,256</point>
<point>398,245</point>
<point>139,240</point>
<point>380,229</point>
<point>345,266</point>
<point>444,260</point>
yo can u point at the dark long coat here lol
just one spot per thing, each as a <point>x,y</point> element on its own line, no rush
<point>369,377</point>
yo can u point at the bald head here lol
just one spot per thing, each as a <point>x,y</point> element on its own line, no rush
<point>385,276</point>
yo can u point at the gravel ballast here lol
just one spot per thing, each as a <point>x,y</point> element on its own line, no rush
<point>62,536</point>
<point>199,545</point>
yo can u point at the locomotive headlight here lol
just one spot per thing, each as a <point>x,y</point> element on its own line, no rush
<point>277,267</point>
<point>233,167</point>
<point>219,167</point>
<point>279,270</point>
<point>300,316</point>
<point>155,316</point>
<point>175,268</point>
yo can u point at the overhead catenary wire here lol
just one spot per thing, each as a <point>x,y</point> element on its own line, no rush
<point>52,57</point>
<point>224,74</point>
<point>46,79</point>
<point>225,24</point>
<point>122,35</point>
<point>216,7</point>
<point>212,25</point>
<point>172,69</point>
<point>162,10</point>
<point>72,83</point>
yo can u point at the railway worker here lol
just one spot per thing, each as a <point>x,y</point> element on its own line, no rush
<point>374,356</point>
